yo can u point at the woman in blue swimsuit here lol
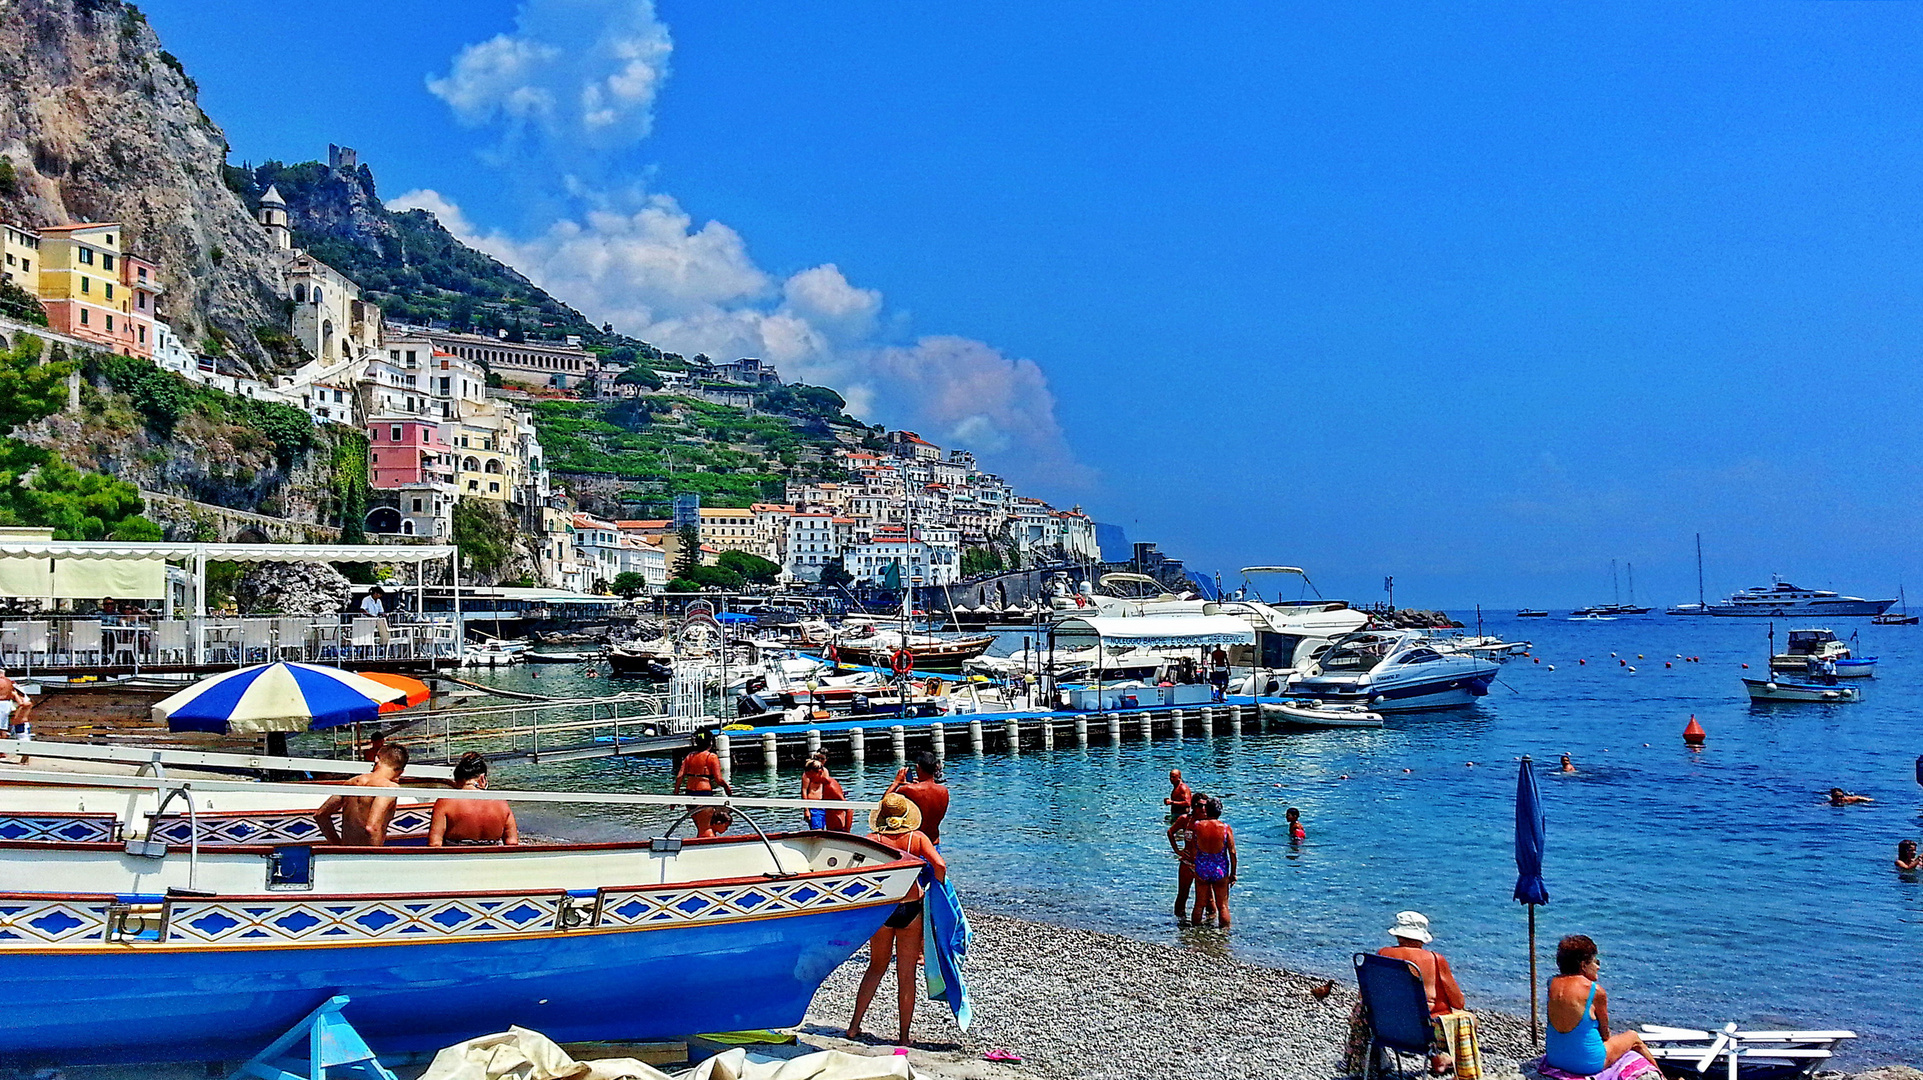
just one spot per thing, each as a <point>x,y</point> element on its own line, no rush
<point>1577,1039</point>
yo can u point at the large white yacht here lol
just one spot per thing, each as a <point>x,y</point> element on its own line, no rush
<point>1393,671</point>
<point>1780,598</point>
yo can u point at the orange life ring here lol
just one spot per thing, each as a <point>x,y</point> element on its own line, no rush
<point>1080,600</point>
<point>903,661</point>
<point>833,654</point>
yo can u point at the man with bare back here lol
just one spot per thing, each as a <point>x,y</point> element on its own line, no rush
<point>364,818</point>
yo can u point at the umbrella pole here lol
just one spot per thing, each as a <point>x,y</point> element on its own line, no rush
<point>1534,1028</point>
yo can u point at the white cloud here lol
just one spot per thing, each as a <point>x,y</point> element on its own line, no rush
<point>573,84</point>
<point>582,74</point>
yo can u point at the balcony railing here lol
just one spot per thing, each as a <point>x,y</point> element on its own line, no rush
<point>136,643</point>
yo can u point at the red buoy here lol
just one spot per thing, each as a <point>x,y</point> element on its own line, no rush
<point>1668,664</point>
<point>1582,661</point>
<point>1694,734</point>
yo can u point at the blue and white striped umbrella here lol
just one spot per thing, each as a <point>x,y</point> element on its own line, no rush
<point>276,697</point>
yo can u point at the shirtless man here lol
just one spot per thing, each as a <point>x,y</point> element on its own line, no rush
<point>1181,840</point>
<point>925,791</point>
<point>16,710</point>
<point>1839,797</point>
<point>472,821</point>
<point>363,818</point>
<point>1178,800</point>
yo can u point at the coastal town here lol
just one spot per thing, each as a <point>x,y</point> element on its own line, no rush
<point>450,416</point>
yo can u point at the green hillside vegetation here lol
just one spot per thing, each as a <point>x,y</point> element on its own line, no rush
<point>672,445</point>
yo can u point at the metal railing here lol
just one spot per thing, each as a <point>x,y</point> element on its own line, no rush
<point>136,643</point>
<point>579,727</point>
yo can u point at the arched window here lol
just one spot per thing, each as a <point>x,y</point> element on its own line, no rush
<point>407,527</point>
<point>300,294</point>
<point>471,464</point>
<point>493,466</point>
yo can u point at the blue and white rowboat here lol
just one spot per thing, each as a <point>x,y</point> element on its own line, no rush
<point>115,953</point>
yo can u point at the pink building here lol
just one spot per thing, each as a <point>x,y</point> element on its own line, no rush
<point>407,453</point>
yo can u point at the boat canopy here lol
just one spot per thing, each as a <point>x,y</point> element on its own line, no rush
<point>1154,631</point>
<point>1274,570</point>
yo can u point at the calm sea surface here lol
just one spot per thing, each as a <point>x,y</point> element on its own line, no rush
<point>1719,885</point>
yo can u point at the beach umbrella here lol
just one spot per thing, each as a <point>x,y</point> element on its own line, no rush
<point>1530,889</point>
<point>416,690</point>
<point>276,697</point>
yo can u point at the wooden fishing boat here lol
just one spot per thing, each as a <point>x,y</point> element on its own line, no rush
<point>927,654</point>
<point>634,663</point>
<point>117,953</point>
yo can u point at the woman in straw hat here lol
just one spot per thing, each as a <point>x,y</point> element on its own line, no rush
<point>897,823</point>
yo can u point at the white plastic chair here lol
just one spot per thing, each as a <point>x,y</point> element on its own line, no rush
<point>291,635</point>
<point>170,640</point>
<point>37,643</point>
<point>363,632</point>
<point>83,640</point>
<point>256,636</point>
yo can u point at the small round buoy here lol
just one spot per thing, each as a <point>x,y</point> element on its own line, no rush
<point>1745,667</point>
<point>1632,671</point>
<point>1639,656</point>
<point>1668,664</point>
<point>1622,663</point>
<point>1612,654</point>
<point>1694,734</point>
<point>1552,667</point>
<point>1536,659</point>
<point>1582,661</point>
<point>1469,764</point>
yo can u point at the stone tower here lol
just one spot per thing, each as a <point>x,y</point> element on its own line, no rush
<point>273,218</point>
<point>342,159</point>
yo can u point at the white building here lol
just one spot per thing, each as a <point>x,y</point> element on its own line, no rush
<point>811,546</point>
<point>597,547</point>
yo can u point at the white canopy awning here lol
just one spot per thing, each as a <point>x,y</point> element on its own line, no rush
<point>1155,631</point>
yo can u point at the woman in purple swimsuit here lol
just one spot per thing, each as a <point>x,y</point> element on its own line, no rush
<point>1215,864</point>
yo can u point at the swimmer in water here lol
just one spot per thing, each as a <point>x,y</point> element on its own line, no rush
<point>1839,797</point>
<point>1567,765</point>
<point>1906,859</point>
<point>1297,833</point>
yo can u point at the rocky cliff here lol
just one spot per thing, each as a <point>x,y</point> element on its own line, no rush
<point>99,123</point>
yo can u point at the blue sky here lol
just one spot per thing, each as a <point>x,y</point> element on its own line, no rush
<point>1481,297</point>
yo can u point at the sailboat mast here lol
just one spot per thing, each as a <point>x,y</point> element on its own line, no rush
<point>1632,584</point>
<point>1700,599</point>
<point>1615,586</point>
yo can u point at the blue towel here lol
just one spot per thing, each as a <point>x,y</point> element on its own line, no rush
<point>945,941</point>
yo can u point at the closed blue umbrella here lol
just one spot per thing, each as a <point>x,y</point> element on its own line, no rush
<point>276,697</point>
<point>1530,890</point>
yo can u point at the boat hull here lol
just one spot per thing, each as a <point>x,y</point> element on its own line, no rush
<point>1451,693</point>
<point>1765,690</point>
<point>1847,608</point>
<point>629,984</point>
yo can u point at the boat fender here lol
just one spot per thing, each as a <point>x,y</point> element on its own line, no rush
<point>903,661</point>
<point>1694,735</point>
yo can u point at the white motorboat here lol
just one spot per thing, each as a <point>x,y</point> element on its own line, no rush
<point>1590,616</point>
<point>1484,645</point>
<point>1780,690</point>
<point>1393,671</point>
<point>1781,599</point>
<point>1317,714</point>
<point>494,652</point>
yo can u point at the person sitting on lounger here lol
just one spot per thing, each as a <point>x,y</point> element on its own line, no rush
<point>1577,1039</point>
<point>472,821</point>
<point>364,819</point>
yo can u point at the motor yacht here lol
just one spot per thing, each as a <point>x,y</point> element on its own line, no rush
<point>1393,671</point>
<point>1779,599</point>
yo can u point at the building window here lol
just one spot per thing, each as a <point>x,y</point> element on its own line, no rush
<point>86,256</point>
<point>110,290</point>
<point>417,506</point>
<point>106,262</point>
<point>143,334</point>
<point>110,324</point>
<point>86,285</point>
<point>83,317</point>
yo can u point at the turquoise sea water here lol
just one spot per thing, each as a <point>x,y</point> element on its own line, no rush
<point>1719,884</point>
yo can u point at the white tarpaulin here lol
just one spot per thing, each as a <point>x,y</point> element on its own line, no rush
<point>1154,631</point>
<point>520,1054</point>
<point>45,576</point>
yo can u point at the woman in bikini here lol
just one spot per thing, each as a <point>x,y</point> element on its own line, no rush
<point>1577,1039</point>
<point>700,774</point>
<point>897,823</point>
<point>1215,864</point>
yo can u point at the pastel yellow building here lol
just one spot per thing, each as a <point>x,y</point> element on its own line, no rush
<point>22,248</point>
<point>82,272</point>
